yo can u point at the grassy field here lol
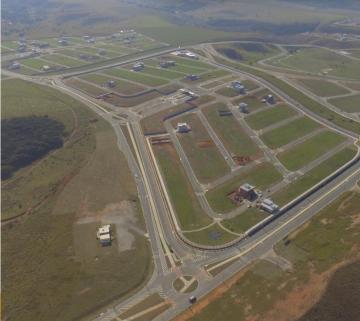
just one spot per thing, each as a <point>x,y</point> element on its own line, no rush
<point>322,88</point>
<point>206,161</point>
<point>270,116</point>
<point>85,87</point>
<point>253,102</point>
<point>322,61</point>
<point>121,86</point>
<point>245,220</point>
<point>65,206</point>
<point>227,92</point>
<point>138,77</point>
<point>262,176</point>
<point>229,130</point>
<point>36,63</point>
<point>189,212</point>
<point>298,156</point>
<point>289,132</point>
<point>214,235</point>
<point>265,291</point>
<point>163,73</point>
<point>306,101</point>
<point>63,60</point>
<point>350,104</point>
<point>313,176</point>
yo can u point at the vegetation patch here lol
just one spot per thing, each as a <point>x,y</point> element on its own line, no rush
<point>229,130</point>
<point>262,176</point>
<point>322,61</point>
<point>298,156</point>
<point>213,235</point>
<point>289,132</point>
<point>270,116</point>
<point>136,76</point>
<point>350,104</point>
<point>322,88</point>
<point>313,176</point>
<point>306,101</point>
<point>187,207</point>
<point>62,206</point>
<point>315,251</point>
<point>26,139</point>
<point>245,220</point>
<point>206,161</point>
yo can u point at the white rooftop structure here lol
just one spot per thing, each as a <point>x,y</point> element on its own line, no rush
<point>247,187</point>
<point>268,205</point>
<point>183,127</point>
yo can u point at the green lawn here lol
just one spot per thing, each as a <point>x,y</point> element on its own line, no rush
<point>350,104</point>
<point>164,73</point>
<point>322,61</point>
<point>262,176</point>
<point>230,132</point>
<point>302,154</point>
<point>63,60</point>
<point>138,77</point>
<point>214,235</point>
<point>35,63</point>
<point>322,88</point>
<point>313,176</point>
<point>299,96</point>
<point>121,86</point>
<point>245,220</point>
<point>206,161</point>
<point>270,116</point>
<point>191,62</point>
<point>253,102</point>
<point>85,87</point>
<point>291,131</point>
<point>227,92</point>
<point>188,210</point>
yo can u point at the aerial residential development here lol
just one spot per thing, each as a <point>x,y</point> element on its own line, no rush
<point>180,161</point>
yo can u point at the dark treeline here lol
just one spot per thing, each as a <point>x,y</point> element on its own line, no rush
<point>26,139</point>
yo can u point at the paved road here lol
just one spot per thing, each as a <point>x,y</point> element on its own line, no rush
<point>167,246</point>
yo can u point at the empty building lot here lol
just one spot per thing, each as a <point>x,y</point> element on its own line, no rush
<point>205,159</point>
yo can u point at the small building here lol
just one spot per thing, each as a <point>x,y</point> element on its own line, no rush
<point>243,107</point>
<point>91,40</point>
<point>86,37</point>
<point>188,92</point>
<point>236,85</point>
<point>247,191</point>
<point>138,66</point>
<point>111,84</point>
<point>183,128</point>
<point>270,99</point>
<point>45,68</point>
<point>192,77</point>
<point>21,48</point>
<point>185,53</point>
<point>14,65</point>
<point>102,52</point>
<point>63,42</point>
<point>104,235</point>
<point>223,113</point>
<point>167,63</point>
<point>269,206</point>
